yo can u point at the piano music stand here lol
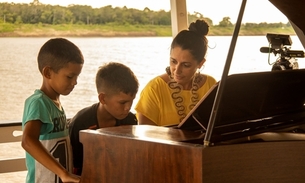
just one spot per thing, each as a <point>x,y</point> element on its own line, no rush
<point>252,103</point>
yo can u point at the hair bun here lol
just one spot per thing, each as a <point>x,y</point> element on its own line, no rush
<point>200,27</point>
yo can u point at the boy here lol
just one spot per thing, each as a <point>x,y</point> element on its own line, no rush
<point>117,87</point>
<point>45,131</point>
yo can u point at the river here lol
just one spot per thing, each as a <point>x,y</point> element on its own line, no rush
<point>146,56</point>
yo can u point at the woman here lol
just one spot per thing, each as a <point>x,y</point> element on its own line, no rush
<point>167,98</point>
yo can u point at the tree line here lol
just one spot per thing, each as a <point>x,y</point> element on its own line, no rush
<point>38,13</point>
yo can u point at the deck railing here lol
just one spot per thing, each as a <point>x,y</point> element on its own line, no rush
<point>11,132</point>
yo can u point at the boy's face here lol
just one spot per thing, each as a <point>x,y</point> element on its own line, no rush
<point>118,105</point>
<point>63,81</point>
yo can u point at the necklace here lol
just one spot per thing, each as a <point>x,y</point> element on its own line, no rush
<point>178,99</point>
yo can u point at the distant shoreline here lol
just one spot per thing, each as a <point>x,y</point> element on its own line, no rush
<point>110,34</point>
<point>71,34</point>
<point>74,30</point>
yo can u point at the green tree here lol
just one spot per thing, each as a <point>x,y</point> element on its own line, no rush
<point>18,20</point>
<point>225,22</point>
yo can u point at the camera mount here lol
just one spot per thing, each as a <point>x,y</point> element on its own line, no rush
<point>278,45</point>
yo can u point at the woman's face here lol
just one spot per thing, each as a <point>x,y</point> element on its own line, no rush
<point>183,66</point>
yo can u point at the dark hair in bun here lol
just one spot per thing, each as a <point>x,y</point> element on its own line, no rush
<point>194,39</point>
<point>200,27</point>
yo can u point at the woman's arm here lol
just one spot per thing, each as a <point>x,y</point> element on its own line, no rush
<point>143,120</point>
<point>30,143</point>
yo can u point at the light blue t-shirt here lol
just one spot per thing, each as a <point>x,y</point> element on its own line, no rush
<point>54,136</point>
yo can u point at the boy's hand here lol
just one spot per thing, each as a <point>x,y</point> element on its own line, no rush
<point>70,178</point>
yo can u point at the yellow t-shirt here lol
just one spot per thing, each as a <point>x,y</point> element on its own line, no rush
<point>156,103</point>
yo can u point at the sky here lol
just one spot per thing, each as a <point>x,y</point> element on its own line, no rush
<point>256,11</point>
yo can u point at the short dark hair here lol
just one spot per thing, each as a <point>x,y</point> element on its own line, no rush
<point>113,78</point>
<point>57,52</point>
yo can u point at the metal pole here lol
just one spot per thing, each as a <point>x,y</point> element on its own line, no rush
<point>222,82</point>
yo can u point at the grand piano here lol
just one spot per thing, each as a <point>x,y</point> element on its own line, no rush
<point>258,133</point>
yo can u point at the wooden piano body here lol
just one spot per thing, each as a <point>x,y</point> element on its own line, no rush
<point>147,154</point>
<point>255,139</point>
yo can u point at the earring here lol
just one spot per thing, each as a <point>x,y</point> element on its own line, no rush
<point>168,72</point>
<point>202,67</point>
<point>198,76</point>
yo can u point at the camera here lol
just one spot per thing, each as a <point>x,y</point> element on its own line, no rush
<point>278,45</point>
<point>277,41</point>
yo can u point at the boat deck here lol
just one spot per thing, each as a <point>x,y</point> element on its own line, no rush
<point>14,177</point>
<point>12,150</point>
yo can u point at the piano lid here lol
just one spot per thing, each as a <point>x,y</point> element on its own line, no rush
<point>252,103</point>
<point>294,10</point>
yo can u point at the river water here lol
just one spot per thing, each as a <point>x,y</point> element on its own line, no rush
<point>146,56</point>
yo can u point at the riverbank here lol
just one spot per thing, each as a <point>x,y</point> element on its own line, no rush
<point>111,30</point>
<point>75,33</point>
<point>75,30</point>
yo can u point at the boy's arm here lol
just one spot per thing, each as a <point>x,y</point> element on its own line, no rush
<point>31,143</point>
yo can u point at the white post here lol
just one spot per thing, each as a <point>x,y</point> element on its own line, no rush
<point>178,16</point>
